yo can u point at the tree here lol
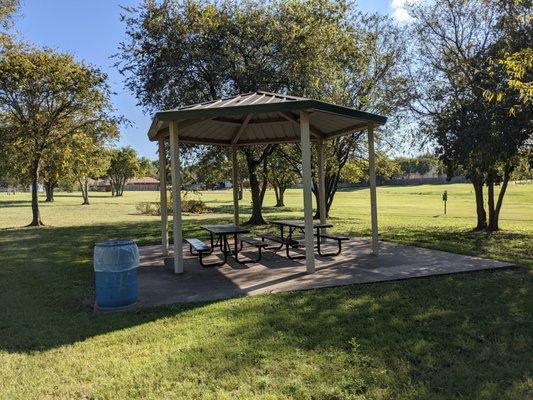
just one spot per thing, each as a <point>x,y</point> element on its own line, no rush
<point>524,167</point>
<point>356,170</point>
<point>224,48</point>
<point>93,165</point>
<point>55,165</point>
<point>46,99</point>
<point>123,165</point>
<point>366,72</point>
<point>7,9</point>
<point>281,176</point>
<point>257,158</point>
<point>147,168</point>
<point>421,164</point>
<point>182,52</point>
<point>213,167</point>
<point>476,133</point>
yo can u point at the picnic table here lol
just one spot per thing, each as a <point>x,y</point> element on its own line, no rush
<point>222,232</point>
<point>293,225</point>
<point>220,236</point>
<point>297,224</point>
<point>201,249</point>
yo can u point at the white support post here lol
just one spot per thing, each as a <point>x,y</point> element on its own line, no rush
<point>373,195</point>
<point>321,183</point>
<point>235,183</point>
<point>176,197</point>
<point>163,196</point>
<point>307,192</point>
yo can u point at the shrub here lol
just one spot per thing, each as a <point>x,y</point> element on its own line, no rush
<point>148,208</point>
<point>193,206</point>
<point>187,206</point>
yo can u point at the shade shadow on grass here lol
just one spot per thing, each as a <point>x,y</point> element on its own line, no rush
<point>46,275</point>
<point>429,337</point>
<point>14,203</point>
<point>243,209</point>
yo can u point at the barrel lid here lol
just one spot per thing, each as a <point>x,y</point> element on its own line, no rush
<point>114,243</point>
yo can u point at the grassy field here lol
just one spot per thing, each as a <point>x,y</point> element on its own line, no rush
<point>463,336</point>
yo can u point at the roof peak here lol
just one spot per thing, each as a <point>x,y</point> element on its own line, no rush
<point>257,97</point>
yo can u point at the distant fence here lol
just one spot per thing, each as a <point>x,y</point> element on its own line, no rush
<point>426,181</point>
<point>11,190</point>
<point>147,187</point>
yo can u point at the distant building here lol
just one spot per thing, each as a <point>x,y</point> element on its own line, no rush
<point>145,183</point>
<point>431,174</point>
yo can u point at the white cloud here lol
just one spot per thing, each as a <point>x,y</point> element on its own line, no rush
<point>398,3</point>
<point>399,10</point>
<point>401,14</point>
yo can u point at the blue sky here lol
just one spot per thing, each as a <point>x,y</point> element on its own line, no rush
<point>91,30</point>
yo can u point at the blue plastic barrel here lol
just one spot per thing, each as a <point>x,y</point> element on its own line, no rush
<point>115,267</point>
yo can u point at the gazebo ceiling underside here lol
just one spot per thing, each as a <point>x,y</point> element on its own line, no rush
<point>259,118</point>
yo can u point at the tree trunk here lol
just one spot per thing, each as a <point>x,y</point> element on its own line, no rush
<point>279,191</point>
<point>264,182</point>
<point>480,208</point>
<point>494,223</point>
<point>258,193</point>
<point>276,192</point>
<point>240,192</point>
<point>257,216</point>
<point>490,201</point>
<point>84,184</point>
<point>49,189</point>
<point>36,221</point>
<point>331,189</point>
<point>280,200</point>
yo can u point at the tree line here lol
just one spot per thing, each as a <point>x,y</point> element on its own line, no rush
<point>58,126</point>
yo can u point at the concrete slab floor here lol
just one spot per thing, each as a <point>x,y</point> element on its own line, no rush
<point>276,273</point>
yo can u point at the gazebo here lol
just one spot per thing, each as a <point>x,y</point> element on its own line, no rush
<point>254,119</point>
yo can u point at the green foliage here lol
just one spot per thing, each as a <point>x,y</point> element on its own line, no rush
<point>123,165</point>
<point>148,208</point>
<point>188,206</point>
<point>524,167</point>
<point>193,206</point>
<point>281,174</point>
<point>49,102</point>
<point>212,167</point>
<point>356,170</point>
<point>8,8</point>
<point>147,168</point>
<point>421,164</point>
<point>475,133</point>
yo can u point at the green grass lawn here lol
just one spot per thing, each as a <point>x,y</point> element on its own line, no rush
<point>463,336</point>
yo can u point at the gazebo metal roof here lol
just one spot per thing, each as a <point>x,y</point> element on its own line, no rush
<point>259,118</point>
